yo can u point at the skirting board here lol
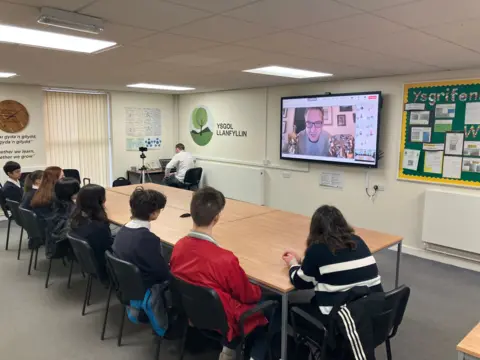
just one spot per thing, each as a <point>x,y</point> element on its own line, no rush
<point>441,258</point>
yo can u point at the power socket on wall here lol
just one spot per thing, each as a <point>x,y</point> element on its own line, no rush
<point>378,187</point>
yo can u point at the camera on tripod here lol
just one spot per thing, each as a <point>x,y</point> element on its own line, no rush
<point>142,150</point>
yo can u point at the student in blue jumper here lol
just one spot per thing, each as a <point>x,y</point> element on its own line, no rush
<point>12,189</point>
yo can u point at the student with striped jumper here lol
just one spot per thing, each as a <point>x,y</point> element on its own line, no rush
<point>335,261</point>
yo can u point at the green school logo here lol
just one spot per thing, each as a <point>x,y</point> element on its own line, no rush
<point>201,126</point>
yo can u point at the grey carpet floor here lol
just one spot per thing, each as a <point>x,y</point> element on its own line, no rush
<point>46,324</point>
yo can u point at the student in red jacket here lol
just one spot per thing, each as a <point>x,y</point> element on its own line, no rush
<point>199,259</point>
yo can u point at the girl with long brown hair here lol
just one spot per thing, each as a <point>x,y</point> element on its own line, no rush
<point>43,198</point>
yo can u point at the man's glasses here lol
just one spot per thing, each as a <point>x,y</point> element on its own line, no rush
<point>318,124</point>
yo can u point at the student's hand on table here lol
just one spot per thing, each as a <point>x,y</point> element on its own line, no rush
<point>291,257</point>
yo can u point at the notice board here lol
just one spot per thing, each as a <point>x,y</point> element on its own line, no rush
<point>441,133</point>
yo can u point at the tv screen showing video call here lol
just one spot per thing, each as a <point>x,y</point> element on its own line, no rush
<point>338,128</point>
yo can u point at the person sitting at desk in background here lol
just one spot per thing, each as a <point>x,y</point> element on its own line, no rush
<point>89,221</point>
<point>182,161</point>
<point>56,241</point>
<point>42,200</point>
<point>32,182</point>
<point>336,260</point>
<point>198,259</point>
<point>313,140</point>
<point>135,242</point>
<point>12,189</point>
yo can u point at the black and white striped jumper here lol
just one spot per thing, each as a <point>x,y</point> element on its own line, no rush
<point>333,274</point>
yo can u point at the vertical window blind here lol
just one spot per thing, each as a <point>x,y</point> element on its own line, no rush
<point>76,133</point>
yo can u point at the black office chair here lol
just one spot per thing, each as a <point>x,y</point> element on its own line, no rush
<point>13,207</point>
<point>204,309</point>
<point>7,214</point>
<point>74,173</point>
<point>88,264</point>
<point>385,325</point>
<point>36,234</point>
<point>126,280</point>
<point>192,178</point>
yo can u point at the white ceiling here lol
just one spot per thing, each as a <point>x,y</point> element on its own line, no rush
<point>206,43</point>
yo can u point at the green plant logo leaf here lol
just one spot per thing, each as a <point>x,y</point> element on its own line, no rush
<point>201,133</point>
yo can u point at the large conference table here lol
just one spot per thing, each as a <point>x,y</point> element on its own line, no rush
<point>257,235</point>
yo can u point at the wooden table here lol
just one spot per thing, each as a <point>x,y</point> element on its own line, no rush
<point>469,347</point>
<point>257,235</point>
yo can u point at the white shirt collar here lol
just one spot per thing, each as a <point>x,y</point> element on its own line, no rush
<point>137,224</point>
<point>35,187</point>
<point>14,182</point>
<point>202,236</point>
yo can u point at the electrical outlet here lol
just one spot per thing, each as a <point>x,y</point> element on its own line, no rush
<point>380,187</point>
<point>286,174</point>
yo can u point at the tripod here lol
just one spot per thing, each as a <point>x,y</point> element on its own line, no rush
<point>143,169</point>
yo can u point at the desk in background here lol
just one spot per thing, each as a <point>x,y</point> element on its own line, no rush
<point>469,347</point>
<point>256,234</point>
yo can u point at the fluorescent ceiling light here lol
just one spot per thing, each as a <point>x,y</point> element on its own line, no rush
<point>160,87</point>
<point>287,72</point>
<point>50,40</point>
<point>7,74</point>
<point>70,20</point>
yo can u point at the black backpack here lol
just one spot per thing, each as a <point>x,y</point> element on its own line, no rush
<point>121,181</point>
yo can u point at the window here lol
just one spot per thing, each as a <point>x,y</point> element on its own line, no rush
<point>77,133</point>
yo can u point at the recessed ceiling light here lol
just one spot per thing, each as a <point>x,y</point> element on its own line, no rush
<point>160,87</point>
<point>7,74</point>
<point>287,72</point>
<point>50,40</point>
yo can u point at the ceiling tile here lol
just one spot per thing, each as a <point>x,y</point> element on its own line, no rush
<point>214,6</point>
<point>419,47</point>
<point>147,14</point>
<point>222,29</point>
<point>230,52</point>
<point>423,13</point>
<point>19,15</point>
<point>169,44</point>
<point>353,27</point>
<point>287,14</point>
<point>70,5</point>
<point>464,33</point>
<point>189,60</point>
<point>121,34</point>
<point>370,5</point>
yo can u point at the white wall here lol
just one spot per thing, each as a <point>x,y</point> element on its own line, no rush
<point>397,210</point>
<point>31,97</point>
<point>123,159</point>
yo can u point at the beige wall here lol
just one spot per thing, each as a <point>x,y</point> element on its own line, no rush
<point>295,186</point>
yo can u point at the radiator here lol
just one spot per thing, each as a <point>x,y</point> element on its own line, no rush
<point>450,222</point>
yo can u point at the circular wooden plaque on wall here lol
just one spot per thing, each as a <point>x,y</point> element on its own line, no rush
<point>13,116</point>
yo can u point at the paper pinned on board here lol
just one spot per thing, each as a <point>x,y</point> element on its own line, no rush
<point>445,111</point>
<point>443,125</point>
<point>421,134</point>
<point>452,167</point>
<point>410,159</point>
<point>433,147</point>
<point>433,162</point>
<point>419,117</point>
<point>454,143</point>
<point>414,106</point>
<point>471,148</point>
<point>472,113</point>
<point>471,165</point>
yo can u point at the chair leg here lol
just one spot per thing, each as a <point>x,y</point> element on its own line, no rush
<point>102,337</point>
<point>20,244</point>
<point>86,294</point>
<point>48,272</point>
<point>8,233</point>
<point>31,260</point>
<point>70,275</point>
<point>389,349</point>
<point>157,351</point>
<point>36,259</point>
<point>120,331</point>
<point>183,341</point>
<point>89,290</point>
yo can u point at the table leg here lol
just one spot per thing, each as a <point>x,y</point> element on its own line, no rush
<point>399,253</point>
<point>284,326</point>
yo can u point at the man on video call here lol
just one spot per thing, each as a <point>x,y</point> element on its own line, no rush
<point>313,140</point>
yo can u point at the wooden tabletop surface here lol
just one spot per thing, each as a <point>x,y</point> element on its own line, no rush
<point>471,343</point>
<point>257,235</point>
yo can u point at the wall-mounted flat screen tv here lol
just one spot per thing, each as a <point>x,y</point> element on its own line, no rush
<point>334,128</point>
